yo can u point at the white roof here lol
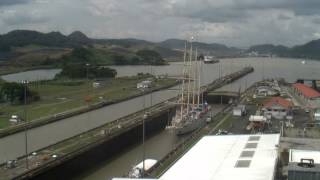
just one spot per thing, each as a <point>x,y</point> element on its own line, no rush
<point>131,179</point>
<point>257,118</point>
<point>148,163</point>
<point>296,155</point>
<point>215,157</point>
<point>14,117</point>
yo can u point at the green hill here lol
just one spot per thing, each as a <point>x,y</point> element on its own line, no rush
<point>270,49</point>
<point>309,50</point>
<point>112,56</point>
<point>19,38</point>
<point>204,48</point>
<point>136,45</point>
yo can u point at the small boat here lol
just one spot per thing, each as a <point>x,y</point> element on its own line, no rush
<point>303,62</point>
<point>136,171</point>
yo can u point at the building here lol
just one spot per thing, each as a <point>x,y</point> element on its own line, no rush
<point>316,115</point>
<point>14,119</point>
<point>266,91</point>
<point>96,84</point>
<point>240,157</point>
<point>144,84</point>
<point>277,107</point>
<point>304,165</point>
<point>295,155</point>
<point>256,122</point>
<point>310,96</point>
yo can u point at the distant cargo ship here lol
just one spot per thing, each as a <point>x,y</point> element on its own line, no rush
<point>210,60</point>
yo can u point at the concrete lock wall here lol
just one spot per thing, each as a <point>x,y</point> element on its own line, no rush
<point>107,150</point>
<point>217,99</point>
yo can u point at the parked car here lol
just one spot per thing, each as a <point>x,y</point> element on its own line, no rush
<point>222,132</point>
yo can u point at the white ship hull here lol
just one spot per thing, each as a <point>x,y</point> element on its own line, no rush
<point>190,126</point>
<point>195,122</point>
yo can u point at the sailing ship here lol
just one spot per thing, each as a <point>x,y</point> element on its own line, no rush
<point>191,107</point>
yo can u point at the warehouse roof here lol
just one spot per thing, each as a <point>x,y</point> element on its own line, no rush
<point>241,157</point>
<point>278,101</point>
<point>306,90</point>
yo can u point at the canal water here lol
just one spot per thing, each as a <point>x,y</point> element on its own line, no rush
<point>33,75</point>
<point>264,67</point>
<point>122,164</point>
<point>13,146</point>
<point>156,147</point>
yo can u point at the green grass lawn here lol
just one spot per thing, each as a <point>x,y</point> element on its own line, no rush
<point>58,98</point>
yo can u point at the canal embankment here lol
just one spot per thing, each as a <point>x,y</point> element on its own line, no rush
<point>77,111</point>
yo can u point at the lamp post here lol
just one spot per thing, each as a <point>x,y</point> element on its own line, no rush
<point>143,131</point>
<point>143,145</point>
<point>25,83</point>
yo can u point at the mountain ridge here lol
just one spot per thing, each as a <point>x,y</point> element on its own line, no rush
<point>310,49</point>
<point>168,48</point>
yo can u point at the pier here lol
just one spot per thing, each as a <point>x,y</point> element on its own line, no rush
<point>65,156</point>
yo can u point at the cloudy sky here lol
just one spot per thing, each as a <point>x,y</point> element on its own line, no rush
<point>233,22</point>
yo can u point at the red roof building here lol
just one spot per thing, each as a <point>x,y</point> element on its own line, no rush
<point>306,91</point>
<point>277,101</point>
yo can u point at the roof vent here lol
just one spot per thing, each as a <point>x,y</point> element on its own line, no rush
<point>246,154</point>
<point>306,163</point>
<point>243,163</point>
<point>251,145</point>
<point>254,138</point>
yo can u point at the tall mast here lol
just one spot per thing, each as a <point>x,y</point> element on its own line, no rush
<point>194,73</point>
<point>202,75</point>
<point>199,77</point>
<point>189,74</point>
<point>183,79</point>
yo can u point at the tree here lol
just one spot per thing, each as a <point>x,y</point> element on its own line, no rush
<point>150,57</point>
<point>119,60</point>
<point>4,48</point>
<point>102,72</point>
<point>80,71</point>
<point>82,53</point>
<point>12,92</point>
